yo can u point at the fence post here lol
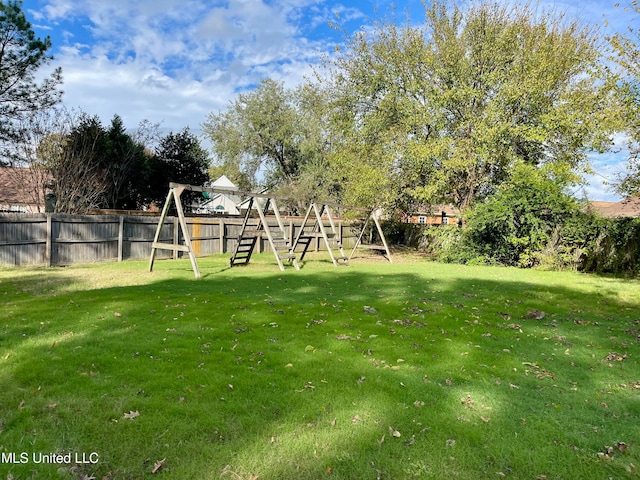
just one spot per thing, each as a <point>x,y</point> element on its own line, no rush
<point>120,237</point>
<point>47,244</point>
<point>222,234</point>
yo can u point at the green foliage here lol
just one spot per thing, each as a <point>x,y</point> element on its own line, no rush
<point>178,158</point>
<point>23,55</point>
<point>442,111</point>
<point>625,52</point>
<point>614,246</point>
<point>520,220</point>
<point>125,164</point>
<point>277,133</point>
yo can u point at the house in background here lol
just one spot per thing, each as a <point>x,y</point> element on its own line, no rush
<point>435,215</point>
<point>221,203</point>
<point>22,190</point>
<point>629,207</point>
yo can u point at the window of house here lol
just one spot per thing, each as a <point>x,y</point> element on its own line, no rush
<point>422,219</point>
<point>445,220</point>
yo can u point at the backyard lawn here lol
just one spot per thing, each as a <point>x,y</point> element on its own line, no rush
<point>373,371</point>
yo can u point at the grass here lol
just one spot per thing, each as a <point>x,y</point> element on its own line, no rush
<point>450,371</point>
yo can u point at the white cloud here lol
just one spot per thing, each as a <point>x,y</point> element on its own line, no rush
<point>174,61</point>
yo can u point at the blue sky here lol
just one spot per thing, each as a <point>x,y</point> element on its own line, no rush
<point>176,61</point>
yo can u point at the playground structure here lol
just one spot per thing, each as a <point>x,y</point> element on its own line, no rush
<point>284,247</point>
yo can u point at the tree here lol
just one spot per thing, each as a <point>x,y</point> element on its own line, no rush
<point>276,133</point>
<point>76,161</point>
<point>178,158</point>
<point>441,112</point>
<point>22,54</point>
<point>625,52</point>
<point>126,166</point>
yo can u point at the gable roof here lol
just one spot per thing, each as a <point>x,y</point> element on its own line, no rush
<point>224,183</point>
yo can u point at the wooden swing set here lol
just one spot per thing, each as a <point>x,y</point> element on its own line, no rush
<point>284,248</point>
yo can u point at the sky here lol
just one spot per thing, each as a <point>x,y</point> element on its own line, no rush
<point>174,62</point>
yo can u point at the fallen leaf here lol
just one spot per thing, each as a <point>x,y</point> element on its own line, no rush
<point>131,415</point>
<point>368,309</point>
<point>342,336</point>
<point>535,314</point>
<point>613,356</point>
<point>451,443</point>
<point>355,419</point>
<point>411,441</point>
<point>621,446</point>
<point>158,465</point>
<point>394,432</point>
<point>485,419</point>
<point>117,314</point>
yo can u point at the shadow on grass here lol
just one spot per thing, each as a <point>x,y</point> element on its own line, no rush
<point>347,373</point>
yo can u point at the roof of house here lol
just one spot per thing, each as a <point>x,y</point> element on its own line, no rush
<point>224,183</point>
<point>629,207</point>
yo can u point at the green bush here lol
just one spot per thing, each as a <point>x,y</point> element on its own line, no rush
<point>614,247</point>
<point>518,222</point>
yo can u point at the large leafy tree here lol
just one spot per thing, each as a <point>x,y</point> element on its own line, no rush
<point>442,111</point>
<point>276,137</point>
<point>625,49</point>
<point>22,55</point>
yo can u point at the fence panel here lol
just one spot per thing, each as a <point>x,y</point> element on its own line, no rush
<point>60,239</point>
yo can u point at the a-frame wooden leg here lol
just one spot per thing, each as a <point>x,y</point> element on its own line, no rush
<point>174,193</point>
<point>384,240</point>
<point>163,217</point>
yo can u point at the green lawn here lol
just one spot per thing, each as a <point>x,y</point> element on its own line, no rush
<point>390,371</point>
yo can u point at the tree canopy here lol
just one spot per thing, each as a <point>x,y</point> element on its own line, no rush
<point>277,134</point>
<point>22,54</point>
<point>625,53</point>
<point>441,111</point>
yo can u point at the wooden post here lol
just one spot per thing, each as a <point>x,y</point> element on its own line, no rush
<point>120,238</point>
<point>291,232</point>
<point>47,245</point>
<point>222,234</point>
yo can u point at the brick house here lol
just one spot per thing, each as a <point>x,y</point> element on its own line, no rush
<point>22,190</point>
<point>435,215</point>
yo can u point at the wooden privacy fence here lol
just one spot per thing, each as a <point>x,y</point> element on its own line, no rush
<point>60,239</point>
